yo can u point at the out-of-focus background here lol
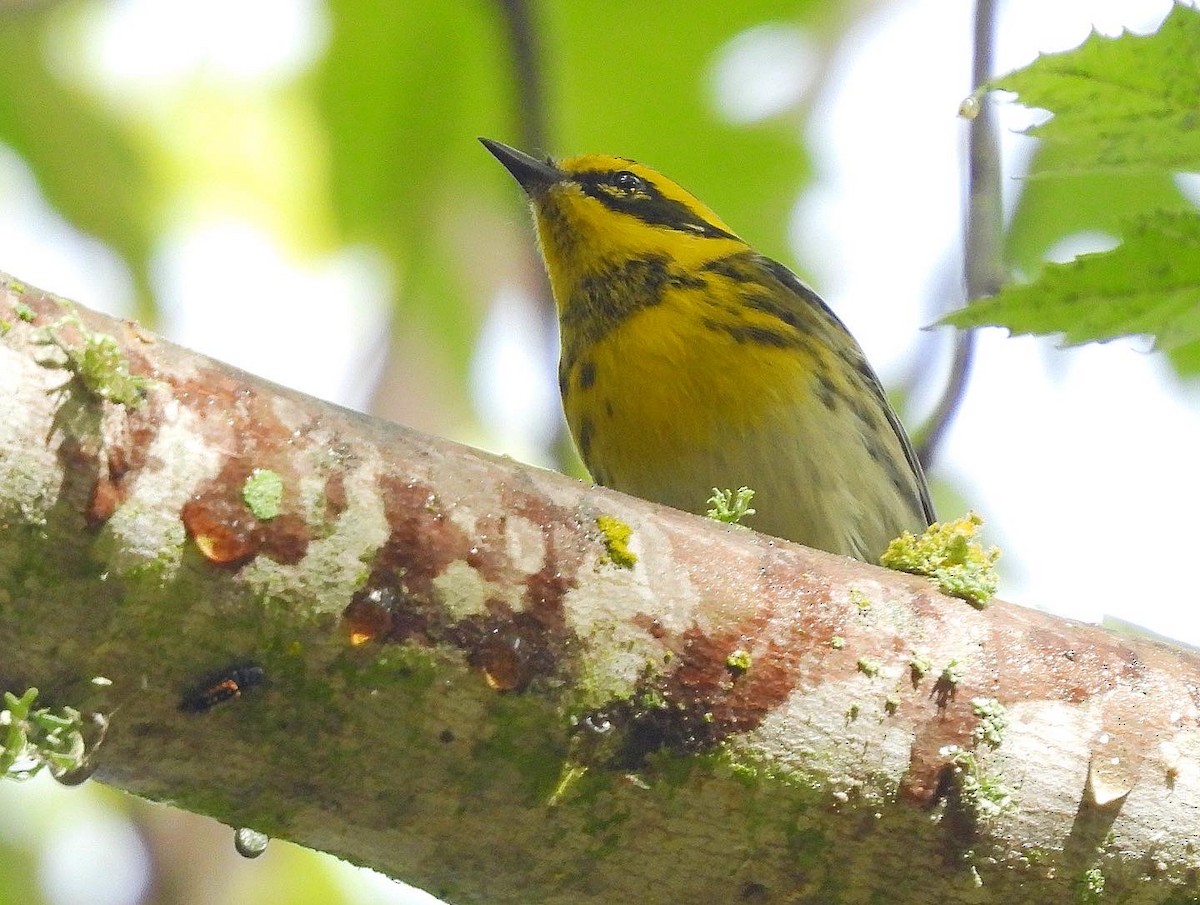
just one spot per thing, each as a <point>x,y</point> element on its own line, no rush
<point>294,186</point>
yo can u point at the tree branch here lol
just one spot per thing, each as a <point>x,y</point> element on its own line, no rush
<point>465,672</point>
<point>982,255</point>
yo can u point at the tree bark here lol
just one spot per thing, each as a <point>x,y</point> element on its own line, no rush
<point>503,685</point>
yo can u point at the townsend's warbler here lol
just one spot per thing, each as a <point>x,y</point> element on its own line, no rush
<point>690,362</point>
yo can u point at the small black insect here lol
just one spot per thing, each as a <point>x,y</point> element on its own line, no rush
<point>225,685</point>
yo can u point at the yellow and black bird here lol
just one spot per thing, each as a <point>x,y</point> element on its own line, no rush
<point>691,362</point>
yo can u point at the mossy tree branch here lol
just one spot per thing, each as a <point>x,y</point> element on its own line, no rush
<point>434,662</point>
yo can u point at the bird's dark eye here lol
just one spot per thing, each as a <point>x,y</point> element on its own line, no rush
<point>628,182</point>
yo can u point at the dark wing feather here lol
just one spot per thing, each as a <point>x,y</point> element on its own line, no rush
<point>796,285</point>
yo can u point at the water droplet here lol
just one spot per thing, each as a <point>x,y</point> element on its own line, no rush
<point>93,731</point>
<point>970,107</point>
<point>76,777</point>
<point>249,843</point>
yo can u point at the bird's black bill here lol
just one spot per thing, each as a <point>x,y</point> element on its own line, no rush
<point>535,176</point>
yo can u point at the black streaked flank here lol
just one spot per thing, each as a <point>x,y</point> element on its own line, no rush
<point>646,203</point>
<point>802,289</point>
<point>825,390</point>
<point>763,336</point>
<point>737,267</point>
<point>790,315</point>
<point>586,429</point>
<point>901,481</point>
<point>587,375</point>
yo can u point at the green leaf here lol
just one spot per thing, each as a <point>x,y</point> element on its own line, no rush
<point>1125,104</point>
<point>1148,285</point>
<point>1048,210</point>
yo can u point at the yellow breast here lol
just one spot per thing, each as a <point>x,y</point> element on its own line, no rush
<point>666,385</point>
<point>699,389</point>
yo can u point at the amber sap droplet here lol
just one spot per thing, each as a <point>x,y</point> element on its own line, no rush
<point>369,615</point>
<point>503,661</point>
<point>221,531</point>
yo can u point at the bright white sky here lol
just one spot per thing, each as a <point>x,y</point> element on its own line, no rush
<point>1082,461</point>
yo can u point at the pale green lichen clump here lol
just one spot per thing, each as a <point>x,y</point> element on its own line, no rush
<point>729,506</point>
<point>983,794</point>
<point>97,363</point>
<point>993,721</point>
<point>263,493</point>
<point>1089,888</point>
<point>948,553</point>
<point>919,664</point>
<point>738,661</point>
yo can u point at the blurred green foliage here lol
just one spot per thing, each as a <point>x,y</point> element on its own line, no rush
<point>395,102</point>
<point>86,162</point>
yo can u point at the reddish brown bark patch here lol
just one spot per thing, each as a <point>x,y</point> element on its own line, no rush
<point>400,603</point>
<point>708,692</point>
<point>106,496</point>
<point>128,435</point>
<point>225,530</point>
<point>235,419</point>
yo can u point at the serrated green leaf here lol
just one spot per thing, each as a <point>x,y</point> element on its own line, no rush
<point>1148,285</point>
<point>1123,104</point>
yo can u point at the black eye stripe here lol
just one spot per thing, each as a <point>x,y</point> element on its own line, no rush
<point>646,203</point>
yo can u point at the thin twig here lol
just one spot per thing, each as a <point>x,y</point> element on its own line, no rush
<point>527,72</point>
<point>981,245</point>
